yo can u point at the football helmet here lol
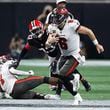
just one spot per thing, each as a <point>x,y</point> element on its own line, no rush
<point>36,28</point>
<point>60,1</point>
<point>61,17</point>
<point>4,58</point>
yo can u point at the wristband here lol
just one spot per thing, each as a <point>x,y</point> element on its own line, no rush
<point>95,42</point>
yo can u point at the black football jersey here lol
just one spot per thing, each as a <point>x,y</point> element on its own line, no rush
<point>39,43</point>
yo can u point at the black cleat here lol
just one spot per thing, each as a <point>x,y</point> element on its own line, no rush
<point>86,85</point>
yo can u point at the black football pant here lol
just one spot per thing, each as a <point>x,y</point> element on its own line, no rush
<point>66,67</point>
<point>22,87</point>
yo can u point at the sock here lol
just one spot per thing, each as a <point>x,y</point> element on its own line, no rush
<point>58,91</point>
<point>76,71</point>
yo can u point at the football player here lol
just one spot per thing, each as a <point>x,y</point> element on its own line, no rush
<point>60,4</point>
<point>68,32</point>
<point>40,40</point>
<point>20,88</point>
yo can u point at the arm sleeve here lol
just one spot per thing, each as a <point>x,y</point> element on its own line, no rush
<point>19,72</point>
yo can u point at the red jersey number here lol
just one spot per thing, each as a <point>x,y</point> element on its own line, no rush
<point>1,80</point>
<point>63,43</point>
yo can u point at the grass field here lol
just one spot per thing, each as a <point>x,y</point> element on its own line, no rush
<point>99,77</point>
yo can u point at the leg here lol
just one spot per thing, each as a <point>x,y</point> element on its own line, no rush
<point>83,81</point>
<point>23,85</point>
<point>67,64</point>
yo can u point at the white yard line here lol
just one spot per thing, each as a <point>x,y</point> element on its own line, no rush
<point>44,63</point>
<point>53,105</point>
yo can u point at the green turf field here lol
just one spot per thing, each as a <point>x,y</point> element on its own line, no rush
<point>99,77</point>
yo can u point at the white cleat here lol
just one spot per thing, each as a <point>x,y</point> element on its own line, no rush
<point>52,97</point>
<point>4,95</point>
<point>77,99</point>
<point>7,96</point>
<point>75,82</point>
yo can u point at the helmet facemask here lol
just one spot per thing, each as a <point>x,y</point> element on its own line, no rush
<point>60,18</point>
<point>61,21</point>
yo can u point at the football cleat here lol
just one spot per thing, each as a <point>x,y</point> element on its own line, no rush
<point>4,95</point>
<point>7,96</point>
<point>86,84</point>
<point>75,82</point>
<point>52,97</point>
<point>77,99</point>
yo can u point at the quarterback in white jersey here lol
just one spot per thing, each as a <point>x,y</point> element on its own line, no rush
<point>69,39</point>
<point>20,88</point>
<point>67,30</point>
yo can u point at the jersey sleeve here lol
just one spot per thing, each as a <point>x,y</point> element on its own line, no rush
<point>74,24</point>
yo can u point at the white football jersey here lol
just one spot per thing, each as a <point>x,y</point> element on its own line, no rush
<point>69,39</point>
<point>7,80</point>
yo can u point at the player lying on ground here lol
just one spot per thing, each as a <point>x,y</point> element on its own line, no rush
<point>67,30</point>
<point>20,88</point>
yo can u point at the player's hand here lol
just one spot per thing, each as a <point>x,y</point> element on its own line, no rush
<point>99,48</point>
<point>53,38</point>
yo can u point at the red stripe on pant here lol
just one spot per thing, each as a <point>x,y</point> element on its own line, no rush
<point>28,79</point>
<point>72,68</point>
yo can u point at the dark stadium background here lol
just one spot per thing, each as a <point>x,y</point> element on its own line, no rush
<point>15,17</point>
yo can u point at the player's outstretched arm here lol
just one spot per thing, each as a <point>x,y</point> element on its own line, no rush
<point>91,35</point>
<point>20,72</point>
